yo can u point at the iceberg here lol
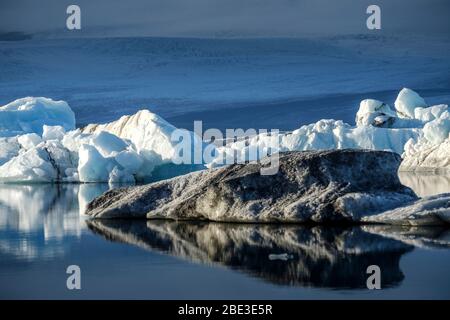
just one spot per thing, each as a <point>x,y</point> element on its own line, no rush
<point>375,113</point>
<point>39,142</point>
<point>406,103</point>
<point>9,148</point>
<point>431,151</point>
<point>416,131</point>
<point>154,145</point>
<point>310,186</point>
<point>356,186</point>
<point>29,115</point>
<point>322,135</point>
<point>147,131</point>
<point>51,150</point>
<point>49,161</point>
<point>433,210</point>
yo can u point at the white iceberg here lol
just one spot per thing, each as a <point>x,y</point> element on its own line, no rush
<point>29,140</point>
<point>418,132</point>
<point>49,161</point>
<point>375,113</point>
<point>104,157</point>
<point>431,151</point>
<point>407,101</point>
<point>29,115</point>
<point>379,114</point>
<point>53,132</point>
<point>9,148</point>
<point>147,131</point>
<point>41,145</point>
<point>155,145</point>
<point>434,210</point>
<point>38,142</point>
<point>322,135</point>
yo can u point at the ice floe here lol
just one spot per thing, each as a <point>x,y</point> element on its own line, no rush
<point>418,132</point>
<point>124,151</point>
<point>29,115</point>
<point>433,210</point>
<point>39,142</point>
<point>310,186</point>
<point>146,130</point>
<point>318,186</point>
<point>322,135</point>
<point>406,103</point>
<point>431,151</point>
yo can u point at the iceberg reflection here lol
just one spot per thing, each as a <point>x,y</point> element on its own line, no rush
<point>35,219</point>
<point>335,257</point>
<point>40,221</point>
<point>426,183</point>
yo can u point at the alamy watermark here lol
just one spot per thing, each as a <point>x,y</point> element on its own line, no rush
<point>374,280</point>
<point>373,22</point>
<point>236,146</point>
<point>73,281</point>
<point>73,21</point>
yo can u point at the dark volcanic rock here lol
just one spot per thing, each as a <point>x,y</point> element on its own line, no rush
<point>319,186</point>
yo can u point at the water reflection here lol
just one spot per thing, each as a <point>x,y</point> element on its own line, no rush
<point>35,219</point>
<point>334,257</point>
<point>426,184</point>
<point>419,237</point>
<point>42,222</point>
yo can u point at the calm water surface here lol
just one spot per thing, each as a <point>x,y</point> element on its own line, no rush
<point>42,231</point>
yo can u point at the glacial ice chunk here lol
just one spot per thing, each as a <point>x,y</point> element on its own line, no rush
<point>148,132</point>
<point>322,135</point>
<point>375,113</point>
<point>407,101</point>
<point>434,210</point>
<point>430,151</point>
<point>430,113</point>
<point>108,144</point>
<point>29,140</point>
<point>129,160</point>
<point>142,146</point>
<point>319,186</point>
<point>92,166</point>
<point>9,148</point>
<point>46,162</point>
<point>53,132</point>
<point>29,115</point>
<point>74,156</point>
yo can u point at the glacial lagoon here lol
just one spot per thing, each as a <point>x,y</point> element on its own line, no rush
<point>43,231</point>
